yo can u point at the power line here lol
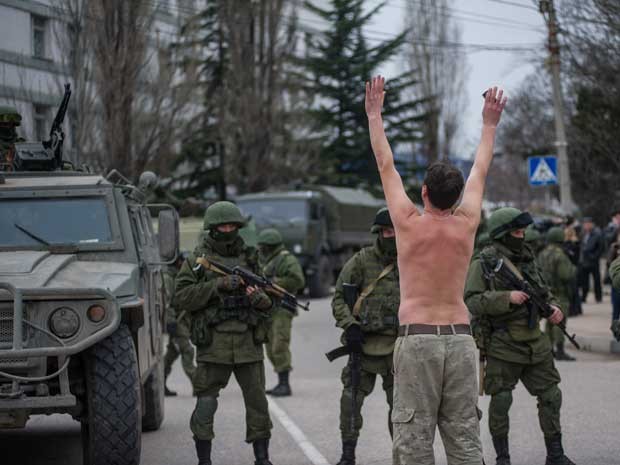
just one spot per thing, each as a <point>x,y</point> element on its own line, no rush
<point>515,4</point>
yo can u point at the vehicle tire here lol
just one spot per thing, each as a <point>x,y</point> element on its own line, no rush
<point>154,399</point>
<point>112,424</point>
<point>320,282</point>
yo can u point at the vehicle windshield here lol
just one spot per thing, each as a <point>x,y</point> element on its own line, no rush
<point>75,221</point>
<point>275,212</point>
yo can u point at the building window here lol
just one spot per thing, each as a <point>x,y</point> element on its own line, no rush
<point>41,118</point>
<point>39,26</point>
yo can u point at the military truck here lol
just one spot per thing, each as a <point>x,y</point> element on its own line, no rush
<point>82,305</point>
<point>322,225</point>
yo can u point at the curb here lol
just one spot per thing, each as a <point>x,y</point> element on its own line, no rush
<point>601,344</point>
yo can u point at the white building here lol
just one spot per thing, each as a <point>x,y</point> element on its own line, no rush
<point>31,66</point>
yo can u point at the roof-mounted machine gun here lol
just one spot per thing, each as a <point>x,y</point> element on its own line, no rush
<point>45,155</point>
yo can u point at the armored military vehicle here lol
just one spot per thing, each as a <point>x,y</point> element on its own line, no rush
<point>322,225</point>
<point>81,301</point>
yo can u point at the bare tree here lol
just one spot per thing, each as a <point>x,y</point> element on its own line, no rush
<point>73,33</point>
<point>433,54</point>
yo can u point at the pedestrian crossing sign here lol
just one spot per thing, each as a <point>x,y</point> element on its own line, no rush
<point>543,170</point>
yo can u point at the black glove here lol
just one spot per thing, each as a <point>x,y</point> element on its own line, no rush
<point>354,337</point>
<point>171,328</point>
<point>228,283</point>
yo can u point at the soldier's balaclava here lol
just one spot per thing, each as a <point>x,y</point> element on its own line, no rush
<point>514,244</point>
<point>224,237</point>
<point>387,244</point>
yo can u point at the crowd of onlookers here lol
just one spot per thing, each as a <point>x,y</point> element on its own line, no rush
<point>589,246</point>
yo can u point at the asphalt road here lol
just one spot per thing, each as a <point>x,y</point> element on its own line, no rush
<point>306,425</point>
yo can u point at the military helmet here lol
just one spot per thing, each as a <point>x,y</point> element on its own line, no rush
<point>269,236</point>
<point>222,213</point>
<point>555,234</point>
<point>382,220</point>
<point>507,219</point>
<point>532,234</point>
<point>10,116</point>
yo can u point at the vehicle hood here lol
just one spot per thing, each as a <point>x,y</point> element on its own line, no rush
<point>41,269</point>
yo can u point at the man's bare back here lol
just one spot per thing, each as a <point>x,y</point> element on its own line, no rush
<point>435,247</point>
<point>433,267</point>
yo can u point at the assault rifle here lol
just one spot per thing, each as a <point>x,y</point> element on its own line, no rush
<point>351,293</point>
<point>57,136</point>
<point>537,303</point>
<point>285,299</point>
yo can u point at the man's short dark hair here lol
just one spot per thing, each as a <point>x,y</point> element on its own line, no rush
<point>444,183</point>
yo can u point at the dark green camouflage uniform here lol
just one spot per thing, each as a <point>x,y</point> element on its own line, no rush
<point>283,268</point>
<point>379,321</point>
<point>178,344</point>
<point>229,334</point>
<point>514,351</point>
<point>560,275</point>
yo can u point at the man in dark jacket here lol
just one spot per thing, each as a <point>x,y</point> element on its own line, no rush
<point>592,247</point>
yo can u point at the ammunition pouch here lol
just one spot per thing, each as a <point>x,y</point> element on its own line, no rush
<point>201,332</point>
<point>373,322</point>
<point>235,302</point>
<point>261,331</point>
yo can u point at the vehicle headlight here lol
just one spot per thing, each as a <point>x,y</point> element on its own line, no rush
<point>96,313</point>
<point>297,248</point>
<point>64,322</point>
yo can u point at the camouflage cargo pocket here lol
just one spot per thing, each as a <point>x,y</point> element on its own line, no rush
<point>201,334</point>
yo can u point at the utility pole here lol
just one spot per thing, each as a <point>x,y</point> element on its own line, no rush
<point>547,9</point>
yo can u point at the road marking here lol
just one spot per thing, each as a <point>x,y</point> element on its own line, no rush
<point>297,434</point>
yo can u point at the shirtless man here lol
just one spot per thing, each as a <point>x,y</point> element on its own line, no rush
<point>435,356</point>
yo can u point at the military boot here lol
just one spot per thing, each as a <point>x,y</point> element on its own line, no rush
<point>561,355</point>
<point>348,452</point>
<point>203,450</point>
<point>261,452</point>
<point>555,452</point>
<point>283,388</point>
<point>169,392</point>
<point>501,449</point>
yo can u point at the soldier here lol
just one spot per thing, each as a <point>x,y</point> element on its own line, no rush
<point>515,350</point>
<point>371,327</point>
<point>230,322</point>
<point>9,120</point>
<point>614,274</point>
<point>177,326</point>
<point>534,240</point>
<point>560,274</point>
<point>280,266</point>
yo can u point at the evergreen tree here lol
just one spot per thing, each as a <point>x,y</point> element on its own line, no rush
<point>337,64</point>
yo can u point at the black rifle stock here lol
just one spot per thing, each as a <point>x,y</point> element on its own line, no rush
<point>285,299</point>
<point>350,294</point>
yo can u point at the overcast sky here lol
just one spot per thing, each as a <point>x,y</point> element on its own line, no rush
<point>483,22</point>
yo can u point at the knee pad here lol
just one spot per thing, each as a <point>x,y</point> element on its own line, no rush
<point>502,400</point>
<point>551,398</point>
<point>205,409</point>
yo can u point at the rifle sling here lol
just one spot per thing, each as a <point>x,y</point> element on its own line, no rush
<point>371,287</point>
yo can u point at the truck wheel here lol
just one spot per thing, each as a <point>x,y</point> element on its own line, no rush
<point>154,399</point>
<point>320,282</point>
<point>112,427</point>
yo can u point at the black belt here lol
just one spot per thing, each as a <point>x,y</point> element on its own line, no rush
<point>439,330</point>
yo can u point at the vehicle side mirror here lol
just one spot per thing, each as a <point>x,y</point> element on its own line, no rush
<point>168,235</point>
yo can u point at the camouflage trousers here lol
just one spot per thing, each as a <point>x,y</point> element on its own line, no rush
<point>278,345</point>
<point>540,380</point>
<point>180,346</point>
<point>435,386</point>
<point>210,378</point>
<point>372,366</point>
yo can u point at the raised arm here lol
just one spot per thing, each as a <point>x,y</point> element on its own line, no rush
<point>399,204</point>
<point>471,205</point>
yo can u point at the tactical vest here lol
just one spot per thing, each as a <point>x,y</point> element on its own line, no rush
<point>269,270</point>
<point>379,310</point>
<point>515,322</point>
<point>228,312</point>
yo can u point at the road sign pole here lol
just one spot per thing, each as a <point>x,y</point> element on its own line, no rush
<point>547,8</point>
